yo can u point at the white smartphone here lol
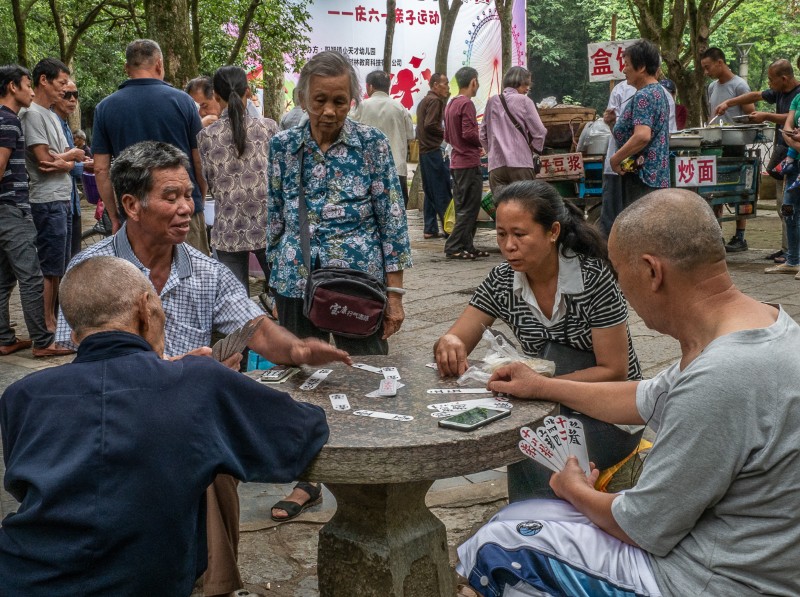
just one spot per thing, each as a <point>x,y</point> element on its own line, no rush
<point>473,418</point>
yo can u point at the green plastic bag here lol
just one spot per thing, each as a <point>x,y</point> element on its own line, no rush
<point>450,217</point>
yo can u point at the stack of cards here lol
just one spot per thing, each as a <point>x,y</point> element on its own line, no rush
<point>235,342</point>
<point>445,409</point>
<point>390,383</point>
<point>554,442</point>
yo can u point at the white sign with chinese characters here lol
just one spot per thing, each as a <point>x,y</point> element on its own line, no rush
<point>606,60</point>
<point>561,165</point>
<point>695,171</point>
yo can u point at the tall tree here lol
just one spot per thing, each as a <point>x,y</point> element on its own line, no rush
<point>388,44</point>
<point>449,14</point>
<point>505,10</point>
<point>19,26</point>
<point>67,13</point>
<point>168,24</point>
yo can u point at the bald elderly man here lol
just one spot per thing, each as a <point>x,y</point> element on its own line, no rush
<point>110,456</point>
<point>716,510</point>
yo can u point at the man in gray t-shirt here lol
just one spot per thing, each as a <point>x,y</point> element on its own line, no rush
<point>716,510</point>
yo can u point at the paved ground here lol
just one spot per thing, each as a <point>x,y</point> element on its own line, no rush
<point>279,560</point>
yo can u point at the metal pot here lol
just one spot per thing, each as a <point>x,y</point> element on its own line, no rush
<point>710,135</point>
<point>597,145</point>
<point>684,141</point>
<point>740,134</point>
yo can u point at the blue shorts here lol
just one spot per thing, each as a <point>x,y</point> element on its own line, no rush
<point>53,223</point>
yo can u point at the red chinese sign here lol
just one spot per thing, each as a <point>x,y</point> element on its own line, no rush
<point>404,16</point>
<point>561,165</point>
<point>695,171</point>
<point>606,60</point>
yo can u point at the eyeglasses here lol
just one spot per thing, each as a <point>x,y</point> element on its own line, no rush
<point>70,95</point>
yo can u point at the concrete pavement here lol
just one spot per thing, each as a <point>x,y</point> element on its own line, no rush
<point>280,560</point>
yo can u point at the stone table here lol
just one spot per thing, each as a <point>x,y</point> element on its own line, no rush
<point>383,541</point>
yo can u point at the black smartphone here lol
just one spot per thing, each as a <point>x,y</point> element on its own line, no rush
<point>473,418</point>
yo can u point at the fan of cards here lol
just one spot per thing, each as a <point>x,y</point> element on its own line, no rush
<point>554,442</point>
<point>235,342</point>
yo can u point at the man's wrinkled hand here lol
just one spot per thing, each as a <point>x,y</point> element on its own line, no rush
<point>516,380</point>
<point>572,478</point>
<point>311,351</point>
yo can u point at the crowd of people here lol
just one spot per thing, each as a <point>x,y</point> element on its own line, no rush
<point>86,444</point>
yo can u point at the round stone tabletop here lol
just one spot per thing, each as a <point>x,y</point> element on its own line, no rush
<point>371,450</point>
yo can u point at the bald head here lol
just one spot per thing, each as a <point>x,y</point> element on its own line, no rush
<point>781,68</point>
<point>102,293</point>
<point>675,224</point>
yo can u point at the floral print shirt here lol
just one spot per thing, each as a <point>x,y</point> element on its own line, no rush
<point>355,207</point>
<point>238,184</point>
<point>648,107</point>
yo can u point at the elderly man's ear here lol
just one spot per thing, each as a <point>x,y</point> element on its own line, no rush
<point>131,205</point>
<point>150,321</point>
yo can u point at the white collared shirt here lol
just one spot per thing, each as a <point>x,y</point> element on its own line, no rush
<point>570,281</point>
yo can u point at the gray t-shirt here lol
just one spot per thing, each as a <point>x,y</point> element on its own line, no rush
<point>718,503</point>
<point>719,92</point>
<point>41,127</point>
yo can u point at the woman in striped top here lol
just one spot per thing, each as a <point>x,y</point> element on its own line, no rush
<point>556,284</point>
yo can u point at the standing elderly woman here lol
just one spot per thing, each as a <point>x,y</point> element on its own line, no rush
<point>233,151</point>
<point>641,131</point>
<point>509,144</point>
<point>355,213</point>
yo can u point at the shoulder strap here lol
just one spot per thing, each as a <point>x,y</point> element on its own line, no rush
<point>302,213</point>
<point>513,120</point>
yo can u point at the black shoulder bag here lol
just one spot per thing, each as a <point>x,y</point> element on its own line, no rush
<point>342,301</point>
<point>537,163</point>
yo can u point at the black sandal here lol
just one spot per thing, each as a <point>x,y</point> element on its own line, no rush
<point>479,253</point>
<point>460,255</point>
<point>293,509</point>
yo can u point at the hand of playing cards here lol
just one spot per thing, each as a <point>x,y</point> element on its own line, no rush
<point>236,341</point>
<point>554,442</point>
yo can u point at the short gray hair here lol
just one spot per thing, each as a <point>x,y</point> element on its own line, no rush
<point>516,76</point>
<point>132,171</point>
<point>79,134</point>
<point>100,292</point>
<point>676,224</point>
<point>328,64</point>
<point>142,52</point>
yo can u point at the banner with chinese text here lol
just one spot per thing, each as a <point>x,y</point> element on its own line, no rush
<point>606,61</point>
<point>695,171</point>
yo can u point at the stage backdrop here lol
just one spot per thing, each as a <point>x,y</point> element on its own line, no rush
<point>358,27</point>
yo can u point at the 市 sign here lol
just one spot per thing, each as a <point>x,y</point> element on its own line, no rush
<point>606,59</point>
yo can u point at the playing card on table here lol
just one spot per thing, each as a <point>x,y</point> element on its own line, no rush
<point>377,393</point>
<point>462,405</point>
<point>316,378</point>
<point>381,415</point>
<point>369,368</point>
<point>235,342</point>
<point>390,372</point>
<point>388,387</point>
<point>459,391</point>
<point>576,442</point>
<point>339,402</point>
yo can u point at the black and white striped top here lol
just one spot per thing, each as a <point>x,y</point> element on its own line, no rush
<point>600,305</point>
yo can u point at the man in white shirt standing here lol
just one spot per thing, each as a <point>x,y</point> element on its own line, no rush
<point>612,189</point>
<point>391,118</point>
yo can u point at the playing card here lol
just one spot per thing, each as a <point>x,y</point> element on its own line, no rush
<point>542,449</point>
<point>576,442</point>
<point>390,372</point>
<point>339,402</point>
<point>388,387</point>
<point>557,428</point>
<point>236,341</point>
<point>377,393</point>
<point>459,391</point>
<point>369,368</point>
<point>545,440</point>
<point>529,451</point>
<point>316,378</point>
<point>381,415</point>
<point>433,366</point>
<point>467,404</point>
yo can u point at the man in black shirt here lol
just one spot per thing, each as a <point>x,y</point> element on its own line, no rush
<point>19,261</point>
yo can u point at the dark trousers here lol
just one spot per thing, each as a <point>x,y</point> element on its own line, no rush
<point>404,189</point>
<point>436,185</point>
<point>618,193</point>
<point>290,316</point>
<point>467,191</point>
<point>239,263</point>
<point>19,262</point>
<point>607,445</point>
<point>502,176</point>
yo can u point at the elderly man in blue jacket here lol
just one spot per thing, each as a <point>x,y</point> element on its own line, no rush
<point>110,456</point>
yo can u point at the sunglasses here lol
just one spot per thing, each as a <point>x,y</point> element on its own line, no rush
<point>70,95</point>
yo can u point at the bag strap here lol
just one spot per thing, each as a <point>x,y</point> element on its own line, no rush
<point>523,131</point>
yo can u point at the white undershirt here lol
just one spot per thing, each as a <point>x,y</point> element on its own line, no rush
<point>570,281</point>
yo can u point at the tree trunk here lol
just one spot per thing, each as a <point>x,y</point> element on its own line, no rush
<point>391,18</point>
<point>168,24</point>
<point>505,10</point>
<point>19,26</point>
<point>273,95</point>
<point>448,15</point>
<point>195,10</point>
<point>244,28</point>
